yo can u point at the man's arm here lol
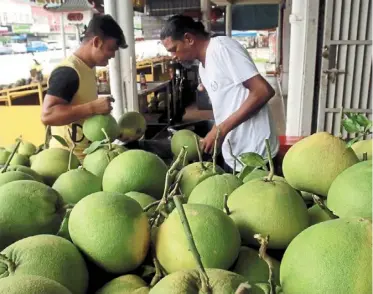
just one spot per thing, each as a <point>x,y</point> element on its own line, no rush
<point>260,93</point>
<point>57,110</point>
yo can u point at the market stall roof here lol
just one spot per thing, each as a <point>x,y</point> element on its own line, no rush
<point>69,5</point>
<point>244,2</point>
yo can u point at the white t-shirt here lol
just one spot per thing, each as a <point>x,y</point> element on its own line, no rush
<point>227,66</point>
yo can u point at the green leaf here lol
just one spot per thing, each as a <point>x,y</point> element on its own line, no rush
<point>61,140</point>
<point>94,146</point>
<point>353,141</point>
<point>369,126</point>
<point>363,121</point>
<point>350,125</point>
<point>245,171</point>
<point>252,159</point>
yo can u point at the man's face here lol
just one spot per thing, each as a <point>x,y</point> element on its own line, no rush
<point>181,50</point>
<point>103,50</point>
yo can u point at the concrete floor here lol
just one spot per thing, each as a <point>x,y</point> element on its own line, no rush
<point>276,105</point>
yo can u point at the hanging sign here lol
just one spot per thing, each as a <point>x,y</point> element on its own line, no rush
<point>50,3</point>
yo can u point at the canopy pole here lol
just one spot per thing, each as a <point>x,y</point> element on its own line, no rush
<point>206,13</point>
<point>62,23</point>
<point>228,20</point>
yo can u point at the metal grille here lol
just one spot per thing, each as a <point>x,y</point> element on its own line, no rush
<point>170,7</point>
<point>346,68</point>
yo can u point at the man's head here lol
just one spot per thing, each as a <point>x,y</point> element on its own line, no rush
<point>181,36</point>
<point>103,37</point>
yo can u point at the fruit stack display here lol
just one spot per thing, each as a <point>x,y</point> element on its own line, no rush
<point>122,221</point>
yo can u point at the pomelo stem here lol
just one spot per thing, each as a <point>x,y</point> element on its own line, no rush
<point>243,288</point>
<point>163,201</point>
<point>158,273</point>
<point>192,245</point>
<point>64,221</point>
<point>227,211</point>
<point>271,165</point>
<point>107,138</point>
<point>263,241</point>
<point>5,167</point>
<point>11,266</point>
<point>151,205</point>
<point>215,151</point>
<point>322,205</point>
<point>365,156</point>
<point>234,157</point>
<point>71,151</point>
<point>199,153</point>
<point>47,137</point>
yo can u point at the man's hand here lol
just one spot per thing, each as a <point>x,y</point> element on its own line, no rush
<point>102,105</point>
<point>208,142</point>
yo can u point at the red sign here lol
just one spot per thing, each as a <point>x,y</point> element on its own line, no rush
<point>75,16</point>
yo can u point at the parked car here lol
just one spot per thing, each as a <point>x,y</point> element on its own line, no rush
<point>36,46</point>
<point>6,49</point>
<point>54,45</point>
<point>18,47</point>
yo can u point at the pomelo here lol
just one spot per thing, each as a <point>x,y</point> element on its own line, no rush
<point>13,176</point>
<point>194,173</point>
<point>361,147</point>
<point>143,199</point>
<point>31,284</point>
<point>269,208</point>
<point>185,138</point>
<point>253,268</point>
<point>312,164</point>
<point>48,256</point>
<point>26,148</point>
<point>93,125</point>
<point>3,156</point>
<point>351,192</point>
<point>26,170</point>
<point>28,208</point>
<point>330,257</point>
<point>132,125</point>
<point>128,284</point>
<point>51,163</point>
<point>111,230</point>
<point>97,161</point>
<point>216,237</point>
<point>317,215</point>
<point>136,170</point>
<point>189,281</point>
<point>19,159</point>
<point>75,184</point>
<point>211,191</point>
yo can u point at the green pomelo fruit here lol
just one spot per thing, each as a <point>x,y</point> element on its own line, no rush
<point>132,124</point>
<point>51,163</point>
<point>212,190</point>
<point>31,158</point>
<point>11,147</point>
<point>13,176</point>
<point>128,284</point>
<point>93,125</point>
<point>361,147</point>
<point>350,195</point>
<point>28,208</point>
<point>31,284</point>
<point>26,148</point>
<point>26,170</point>
<point>264,288</point>
<point>269,208</point>
<point>307,196</point>
<point>76,184</point>
<point>255,174</point>
<point>331,257</point>
<point>189,281</point>
<point>313,163</point>
<point>185,138</point>
<point>214,233</point>
<point>136,170</point>
<point>97,162</point>
<point>105,226</point>
<point>143,199</point>
<point>317,215</point>
<point>4,156</point>
<point>253,268</point>
<point>48,256</point>
<point>19,159</point>
<point>193,174</point>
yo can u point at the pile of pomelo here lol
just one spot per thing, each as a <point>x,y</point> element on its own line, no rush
<point>122,221</point>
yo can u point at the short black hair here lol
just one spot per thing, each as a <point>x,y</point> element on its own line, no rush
<point>177,25</point>
<point>104,26</point>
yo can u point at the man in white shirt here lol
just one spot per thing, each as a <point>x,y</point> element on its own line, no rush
<point>238,93</point>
